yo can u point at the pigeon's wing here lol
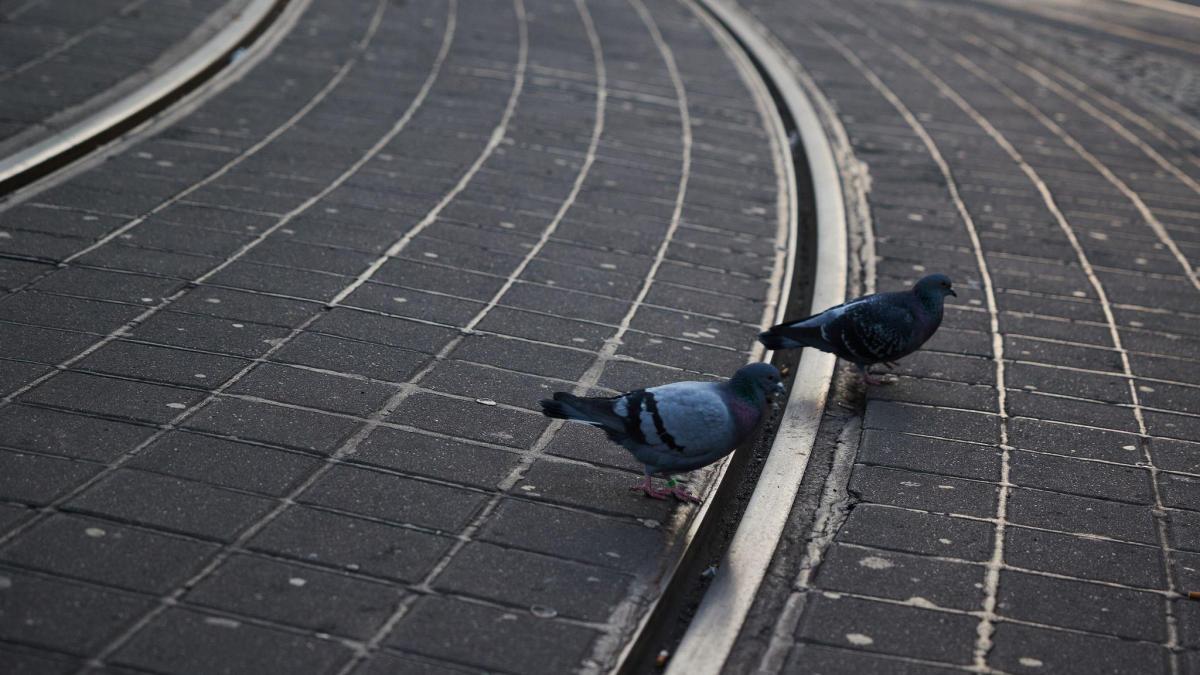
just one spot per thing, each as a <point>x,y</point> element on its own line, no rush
<point>684,419</point>
<point>810,331</point>
<point>870,332</point>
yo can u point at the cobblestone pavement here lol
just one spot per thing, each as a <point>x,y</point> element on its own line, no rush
<point>269,378</point>
<point>1027,498</point>
<point>62,60</point>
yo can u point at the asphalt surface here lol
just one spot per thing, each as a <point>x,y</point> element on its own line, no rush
<point>1025,498</point>
<point>269,377</point>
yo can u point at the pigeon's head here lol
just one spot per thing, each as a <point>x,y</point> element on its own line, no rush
<point>758,381</point>
<point>935,287</point>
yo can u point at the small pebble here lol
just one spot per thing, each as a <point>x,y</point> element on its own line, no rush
<point>485,401</point>
<point>543,612</point>
<point>95,532</point>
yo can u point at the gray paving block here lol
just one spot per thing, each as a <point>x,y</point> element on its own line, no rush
<point>576,535</point>
<point>491,424</point>
<point>1113,611</point>
<point>888,628</point>
<point>161,364</point>
<point>1084,558</point>
<point>436,457</point>
<point>521,579</point>
<point>299,386</point>
<point>950,424</point>
<point>395,498</point>
<point>1085,515</point>
<point>1025,649</point>
<point>39,480</point>
<point>924,491</point>
<point>915,579</point>
<point>171,504</point>
<point>65,616</point>
<point>224,336</point>
<point>226,463</point>
<point>324,538</point>
<point>274,424</point>
<point>1089,479</point>
<point>182,640</point>
<point>930,455</point>
<point>108,553</point>
<point>380,362</point>
<point>300,596</point>
<point>820,659</point>
<point>914,532</point>
<point>127,399</point>
<point>481,637</point>
<point>68,434</point>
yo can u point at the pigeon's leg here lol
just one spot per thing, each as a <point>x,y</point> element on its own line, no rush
<point>647,488</point>
<point>679,492</point>
<point>868,377</point>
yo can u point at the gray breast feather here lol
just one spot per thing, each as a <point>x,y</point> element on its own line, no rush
<point>696,416</point>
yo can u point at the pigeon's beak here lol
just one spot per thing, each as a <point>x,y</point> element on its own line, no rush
<point>951,292</point>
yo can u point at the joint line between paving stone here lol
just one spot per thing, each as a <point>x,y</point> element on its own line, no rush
<point>987,618</point>
<point>1085,264</point>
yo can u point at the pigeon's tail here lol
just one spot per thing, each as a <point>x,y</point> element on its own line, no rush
<point>566,406</point>
<point>791,336</point>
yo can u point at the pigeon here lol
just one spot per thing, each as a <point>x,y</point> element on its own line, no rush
<point>677,427</point>
<point>879,328</point>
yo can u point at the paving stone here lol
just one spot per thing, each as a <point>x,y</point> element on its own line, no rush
<point>390,662</point>
<point>524,356</point>
<point>338,604</point>
<point>243,307</point>
<point>950,424</point>
<point>480,636</point>
<point>161,364</point>
<point>1116,611</point>
<point>107,285</point>
<point>930,455</point>
<point>367,359</point>
<point>171,504</point>
<point>226,463</point>
<point>1179,491</point>
<point>576,535</point>
<point>917,580</point>
<point>1171,455</point>
<point>28,660</point>
<point>518,578</point>
<point>924,491</point>
<point>41,344</point>
<point>395,498</point>
<point>239,338</point>
<point>108,553</point>
<point>914,532</point>
<point>1025,649</point>
<point>888,628</point>
<point>39,480</point>
<point>60,311</point>
<point>435,457</point>
<point>330,539</point>
<point>1072,476</point>
<point>593,488</point>
<point>65,616</point>
<point>822,660</point>
<point>138,401</point>
<point>1063,439</point>
<point>1084,558</point>
<point>68,434</point>
<point>492,424</point>
<point>274,424</point>
<point>310,389</point>
<point>1103,517</point>
<point>468,379</point>
<point>392,331</point>
<point>184,640</point>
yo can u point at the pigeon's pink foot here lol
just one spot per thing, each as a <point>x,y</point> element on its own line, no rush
<point>681,493</point>
<point>647,488</point>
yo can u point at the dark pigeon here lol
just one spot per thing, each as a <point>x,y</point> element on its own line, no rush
<point>879,328</point>
<point>677,427</point>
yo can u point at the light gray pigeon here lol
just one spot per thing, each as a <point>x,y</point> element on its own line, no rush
<point>879,328</point>
<point>677,427</point>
